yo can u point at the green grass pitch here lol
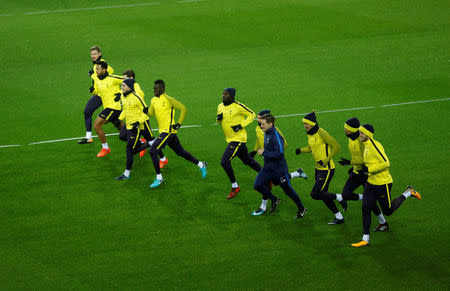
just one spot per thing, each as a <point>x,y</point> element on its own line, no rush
<point>67,224</point>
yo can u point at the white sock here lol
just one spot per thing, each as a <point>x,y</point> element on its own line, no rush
<point>105,145</point>
<point>295,174</point>
<point>163,159</point>
<point>127,173</point>
<point>234,185</point>
<point>381,218</point>
<point>200,164</point>
<point>263,205</point>
<point>407,193</point>
<point>360,196</point>
<point>338,197</point>
<point>88,134</point>
<point>150,142</point>
<point>159,176</point>
<point>338,215</point>
<point>365,237</point>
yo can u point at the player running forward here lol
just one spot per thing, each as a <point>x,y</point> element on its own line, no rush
<point>130,74</point>
<point>357,175</point>
<point>275,169</point>
<point>259,144</point>
<point>133,111</point>
<point>107,87</point>
<point>379,183</point>
<point>163,107</point>
<point>234,117</point>
<point>323,148</point>
<point>95,102</point>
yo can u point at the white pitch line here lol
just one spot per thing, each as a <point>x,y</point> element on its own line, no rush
<point>10,145</point>
<point>278,116</point>
<point>91,8</point>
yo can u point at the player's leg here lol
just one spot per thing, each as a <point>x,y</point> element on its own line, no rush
<point>353,182</point>
<point>132,141</point>
<point>123,134</point>
<point>244,156</point>
<point>175,145</point>
<point>387,205</point>
<point>319,192</point>
<point>159,143</point>
<point>262,186</point>
<point>299,173</point>
<point>225,162</point>
<point>99,122</point>
<point>286,186</point>
<point>93,104</point>
<point>368,202</point>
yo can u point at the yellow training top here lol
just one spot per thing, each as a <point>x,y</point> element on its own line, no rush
<point>323,147</point>
<point>377,163</point>
<point>132,110</point>
<point>260,138</point>
<point>356,148</point>
<point>234,114</point>
<point>163,107</point>
<point>106,89</point>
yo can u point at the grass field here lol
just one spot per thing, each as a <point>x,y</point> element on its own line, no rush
<point>67,224</point>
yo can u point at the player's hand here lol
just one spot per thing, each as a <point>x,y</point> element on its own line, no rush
<point>260,152</point>
<point>90,72</point>
<point>117,98</point>
<point>344,162</point>
<point>176,126</point>
<point>135,125</point>
<point>350,171</point>
<point>219,117</point>
<point>145,110</point>
<point>91,89</point>
<point>252,154</point>
<point>236,127</point>
<point>320,163</point>
<point>365,170</point>
<point>298,151</point>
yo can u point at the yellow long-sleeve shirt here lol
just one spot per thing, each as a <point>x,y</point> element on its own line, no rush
<point>356,148</point>
<point>132,110</point>
<point>163,107</point>
<point>323,148</point>
<point>106,89</point>
<point>377,163</point>
<point>260,138</point>
<point>234,114</point>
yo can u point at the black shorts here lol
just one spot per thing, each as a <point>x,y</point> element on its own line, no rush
<point>323,179</point>
<point>110,115</point>
<point>382,193</point>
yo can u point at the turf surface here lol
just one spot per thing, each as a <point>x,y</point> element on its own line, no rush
<point>66,224</point>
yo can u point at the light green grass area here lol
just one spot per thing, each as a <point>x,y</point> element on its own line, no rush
<point>67,224</point>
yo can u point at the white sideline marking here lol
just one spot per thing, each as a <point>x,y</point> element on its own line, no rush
<point>91,8</point>
<point>10,145</point>
<point>278,116</point>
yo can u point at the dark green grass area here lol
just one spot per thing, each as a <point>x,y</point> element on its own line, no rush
<point>67,224</point>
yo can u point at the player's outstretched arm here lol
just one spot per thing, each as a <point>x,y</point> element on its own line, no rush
<point>180,106</point>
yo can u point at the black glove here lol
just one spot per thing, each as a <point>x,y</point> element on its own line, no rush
<point>320,163</point>
<point>91,89</point>
<point>252,154</point>
<point>298,151</point>
<point>237,127</point>
<point>344,162</point>
<point>350,171</point>
<point>176,126</point>
<point>219,117</point>
<point>145,110</point>
<point>90,72</point>
<point>135,125</point>
<point>117,98</point>
<point>365,170</point>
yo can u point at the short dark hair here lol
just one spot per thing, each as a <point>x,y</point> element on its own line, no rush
<point>103,64</point>
<point>269,118</point>
<point>161,83</point>
<point>129,73</point>
<point>95,48</point>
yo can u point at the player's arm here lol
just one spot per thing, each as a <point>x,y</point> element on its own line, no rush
<point>219,115</point>
<point>139,91</point>
<point>178,105</point>
<point>382,160</point>
<point>332,142</point>
<point>257,145</point>
<point>249,115</point>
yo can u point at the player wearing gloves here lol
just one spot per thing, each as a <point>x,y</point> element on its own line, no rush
<point>234,117</point>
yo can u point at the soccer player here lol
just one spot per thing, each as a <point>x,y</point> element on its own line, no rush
<point>323,148</point>
<point>259,144</point>
<point>133,111</point>
<point>379,183</point>
<point>95,102</point>
<point>234,117</point>
<point>275,169</point>
<point>130,74</point>
<point>163,107</point>
<point>107,87</point>
<point>357,175</point>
